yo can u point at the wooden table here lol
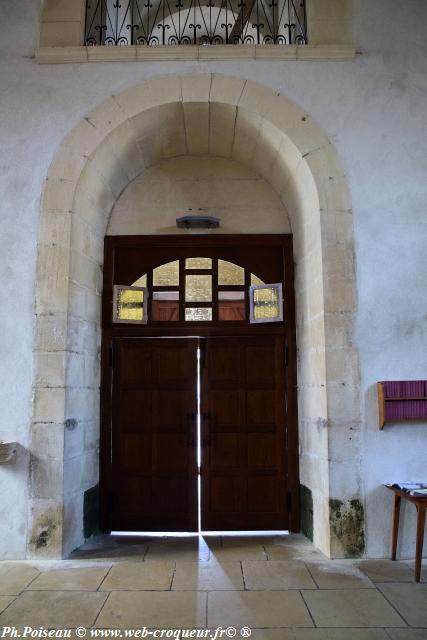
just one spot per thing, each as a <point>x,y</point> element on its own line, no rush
<point>421,506</point>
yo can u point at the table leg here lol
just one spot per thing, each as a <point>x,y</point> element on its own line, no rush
<point>395,531</point>
<point>421,516</point>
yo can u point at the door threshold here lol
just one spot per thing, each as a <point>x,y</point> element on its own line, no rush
<point>196,534</point>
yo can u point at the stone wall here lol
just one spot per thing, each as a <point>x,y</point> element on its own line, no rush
<point>244,202</point>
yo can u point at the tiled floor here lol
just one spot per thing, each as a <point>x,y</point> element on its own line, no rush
<point>279,587</point>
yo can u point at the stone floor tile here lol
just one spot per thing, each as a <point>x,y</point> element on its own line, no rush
<point>407,634</point>
<point>114,548</point>
<point>14,577</point>
<point>409,599</point>
<point>386,571</point>
<point>178,552</point>
<point>184,549</point>
<point>166,609</point>
<point>351,608</point>
<point>212,541</point>
<point>257,609</point>
<point>208,576</point>
<point>293,552</point>
<point>245,541</point>
<point>238,552</point>
<point>139,576</point>
<point>5,602</point>
<point>293,539</point>
<point>53,609</point>
<point>87,579</point>
<point>116,552</point>
<point>336,574</point>
<point>273,575</point>
<point>319,634</point>
<point>411,565</point>
<point>133,540</point>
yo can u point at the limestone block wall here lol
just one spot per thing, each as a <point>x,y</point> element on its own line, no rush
<point>205,185</point>
<point>329,22</point>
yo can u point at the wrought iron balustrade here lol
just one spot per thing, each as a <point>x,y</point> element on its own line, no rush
<point>189,22</point>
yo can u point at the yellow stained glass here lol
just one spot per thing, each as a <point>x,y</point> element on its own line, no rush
<point>266,304</point>
<point>198,288</point>
<point>141,282</point>
<point>167,275</point>
<point>194,314</point>
<point>255,280</point>
<point>198,263</point>
<point>130,305</point>
<point>230,273</point>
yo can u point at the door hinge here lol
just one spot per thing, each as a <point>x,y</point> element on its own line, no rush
<point>286,356</point>
<point>289,502</point>
<point>110,357</point>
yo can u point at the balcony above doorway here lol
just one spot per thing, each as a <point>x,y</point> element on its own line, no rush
<point>195,22</point>
<point>138,30</point>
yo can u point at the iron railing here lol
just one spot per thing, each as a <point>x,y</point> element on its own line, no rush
<point>201,22</point>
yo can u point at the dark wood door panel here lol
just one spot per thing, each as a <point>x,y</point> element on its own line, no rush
<point>243,432</point>
<point>148,437</point>
<point>154,432</point>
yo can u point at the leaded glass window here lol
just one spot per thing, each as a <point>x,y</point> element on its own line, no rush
<point>198,289</point>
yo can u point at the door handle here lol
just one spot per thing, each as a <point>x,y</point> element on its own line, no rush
<point>191,442</point>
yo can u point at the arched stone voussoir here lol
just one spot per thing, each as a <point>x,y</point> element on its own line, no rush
<point>293,121</point>
<point>152,93</point>
<point>84,138</point>
<point>324,163</point>
<point>226,89</point>
<point>67,165</point>
<point>196,88</point>
<point>107,116</point>
<point>58,195</point>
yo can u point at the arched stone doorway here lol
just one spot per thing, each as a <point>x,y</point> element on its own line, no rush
<point>166,117</point>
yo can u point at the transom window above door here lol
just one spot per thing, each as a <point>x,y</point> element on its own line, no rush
<point>198,290</point>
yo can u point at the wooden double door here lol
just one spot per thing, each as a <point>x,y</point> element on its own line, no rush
<point>199,434</point>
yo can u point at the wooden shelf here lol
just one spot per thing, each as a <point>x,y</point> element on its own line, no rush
<point>413,405</point>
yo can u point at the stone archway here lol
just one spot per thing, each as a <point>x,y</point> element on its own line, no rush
<point>162,118</point>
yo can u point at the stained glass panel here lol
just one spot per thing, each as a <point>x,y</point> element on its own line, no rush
<point>230,273</point>
<point>195,314</point>
<point>141,282</point>
<point>129,305</point>
<point>198,263</point>
<point>266,303</point>
<point>198,288</point>
<point>255,280</point>
<point>167,275</point>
